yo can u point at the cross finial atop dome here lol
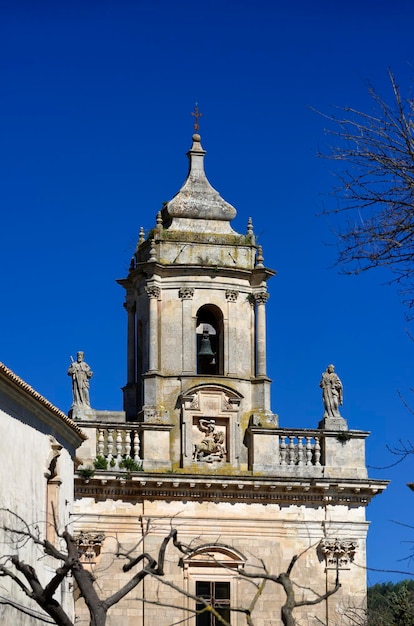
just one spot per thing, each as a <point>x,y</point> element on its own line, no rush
<point>196,113</point>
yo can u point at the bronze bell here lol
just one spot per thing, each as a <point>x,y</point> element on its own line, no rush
<point>205,347</point>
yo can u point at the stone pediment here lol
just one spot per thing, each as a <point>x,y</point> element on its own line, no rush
<point>211,398</point>
<point>213,555</point>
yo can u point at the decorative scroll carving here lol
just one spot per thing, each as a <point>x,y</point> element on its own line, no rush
<point>231,295</point>
<point>195,402</point>
<point>153,291</point>
<point>212,447</point>
<point>261,297</point>
<point>89,546</point>
<point>54,454</point>
<point>338,552</point>
<point>186,293</point>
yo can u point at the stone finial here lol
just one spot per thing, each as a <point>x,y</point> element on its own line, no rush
<point>141,237</point>
<point>159,220</point>
<point>250,226</point>
<point>250,232</point>
<point>153,253</point>
<point>259,258</point>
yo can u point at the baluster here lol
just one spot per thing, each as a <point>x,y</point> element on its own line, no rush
<point>300,451</point>
<point>317,451</point>
<point>291,450</point>
<point>101,442</point>
<point>118,446</point>
<point>308,450</point>
<point>128,444</point>
<point>283,450</point>
<point>110,444</point>
<point>136,447</point>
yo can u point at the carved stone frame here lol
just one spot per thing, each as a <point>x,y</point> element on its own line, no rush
<point>210,402</point>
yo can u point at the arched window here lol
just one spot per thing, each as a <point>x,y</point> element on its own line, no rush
<point>210,574</point>
<point>209,330</point>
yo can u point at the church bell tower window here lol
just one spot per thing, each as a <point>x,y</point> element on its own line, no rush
<point>209,334</point>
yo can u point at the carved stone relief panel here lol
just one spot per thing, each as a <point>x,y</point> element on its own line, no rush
<point>210,437</point>
<point>210,426</point>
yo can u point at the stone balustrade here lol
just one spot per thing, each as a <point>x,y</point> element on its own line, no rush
<point>117,444</point>
<point>271,451</point>
<point>295,448</point>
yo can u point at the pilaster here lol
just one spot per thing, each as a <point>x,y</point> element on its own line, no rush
<point>153,292</point>
<point>187,330</point>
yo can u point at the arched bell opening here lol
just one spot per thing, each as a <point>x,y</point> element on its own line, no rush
<point>209,333</point>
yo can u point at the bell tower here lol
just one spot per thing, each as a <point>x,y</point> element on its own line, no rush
<point>195,298</point>
<point>199,447</point>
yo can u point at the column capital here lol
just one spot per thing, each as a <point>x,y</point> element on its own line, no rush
<point>153,291</point>
<point>338,552</point>
<point>231,295</point>
<point>186,293</point>
<point>130,306</point>
<point>261,297</point>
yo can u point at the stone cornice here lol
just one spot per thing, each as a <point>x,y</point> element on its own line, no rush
<point>141,486</point>
<point>255,276</point>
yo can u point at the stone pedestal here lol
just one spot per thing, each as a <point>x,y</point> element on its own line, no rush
<point>82,412</point>
<point>156,447</point>
<point>333,423</point>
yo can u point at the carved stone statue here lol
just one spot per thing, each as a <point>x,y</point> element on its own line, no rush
<point>331,392</point>
<point>80,373</point>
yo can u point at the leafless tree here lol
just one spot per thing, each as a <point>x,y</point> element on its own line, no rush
<point>289,587</point>
<point>68,557</point>
<point>376,187</point>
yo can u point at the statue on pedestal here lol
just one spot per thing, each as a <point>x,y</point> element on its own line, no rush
<point>331,392</point>
<point>80,373</point>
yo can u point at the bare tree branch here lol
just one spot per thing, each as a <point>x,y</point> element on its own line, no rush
<point>376,187</point>
<point>70,562</point>
<point>291,603</point>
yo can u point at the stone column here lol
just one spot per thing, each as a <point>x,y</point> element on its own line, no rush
<point>131,347</point>
<point>188,332</point>
<point>261,298</point>
<point>230,343</point>
<point>153,294</point>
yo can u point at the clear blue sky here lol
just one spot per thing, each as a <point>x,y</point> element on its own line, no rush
<point>94,126</point>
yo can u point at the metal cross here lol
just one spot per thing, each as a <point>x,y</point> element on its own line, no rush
<point>196,113</point>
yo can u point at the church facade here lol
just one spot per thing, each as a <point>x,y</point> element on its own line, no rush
<point>198,448</point>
